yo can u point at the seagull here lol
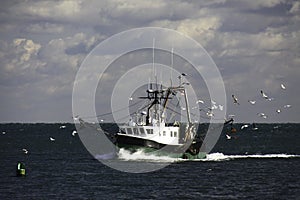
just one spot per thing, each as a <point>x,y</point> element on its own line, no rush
<point>210,114</point>
<point>200,101</point>
<point>278,111</point>
<point>25,151</point>
<point>228,137</point>
<point>254,127</point>
<point>213,102</point>
<point>183,74</point>
<point>74,133</point>
<point>264,95</point>
<point>282,86</point>
<point>235,100</point>
<point>221,107</point>
<point>245,126</point>
<point>76,117</point>
<point>62,127</point>
<point>287,106</point>
<point>130,98</point>
<point>214,107</point>
<point>3,132</point>
<point>52,139</point>
<point>263,115</point>
<point>252,102</point>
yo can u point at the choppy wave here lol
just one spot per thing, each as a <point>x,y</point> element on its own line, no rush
<point>140,155</point>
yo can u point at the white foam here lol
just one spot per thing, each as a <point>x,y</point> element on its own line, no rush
<point>140,155</point>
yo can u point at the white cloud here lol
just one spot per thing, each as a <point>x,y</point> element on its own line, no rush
<point>48,9</point>
<point>20,55</point>
<point>255,4</point>
<point>45,28</point>
<point>202,29</point>
<point>295,8</point>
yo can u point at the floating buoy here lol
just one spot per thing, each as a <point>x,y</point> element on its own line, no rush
<point>21,169</point>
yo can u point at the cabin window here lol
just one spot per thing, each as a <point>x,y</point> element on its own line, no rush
<point>149,131</point>
<point>129,131</point>
<point>164,133</point>
<point>175,133</point>
<point>171,133</point>
<point>135,131</point>
<point>142,131</point>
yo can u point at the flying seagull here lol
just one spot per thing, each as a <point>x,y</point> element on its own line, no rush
<point>200,101</point>
<point>254,127</point>
<point>278,111</point>
<point>245,126</point>
<point>74,133</point>
<point>235,100</point>
<point>264,95</point>
<point>282,86</point>
<point>25,151</point>
<point>287,106</point>
<point>210,113</point>
<point>263,115</point>
<point>252,102</point>
<point>214,107</point>
<point>52,139</point>
<point>221,107</point>
<point>76,117</point>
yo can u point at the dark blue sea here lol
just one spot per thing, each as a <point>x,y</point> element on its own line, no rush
<point>253,164</point>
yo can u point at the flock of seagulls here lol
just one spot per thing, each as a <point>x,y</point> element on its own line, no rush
<point>52,139</point>
<point>209,110</point>
<point>265,96</point>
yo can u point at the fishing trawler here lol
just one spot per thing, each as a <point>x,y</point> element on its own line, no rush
<point>154,133</point>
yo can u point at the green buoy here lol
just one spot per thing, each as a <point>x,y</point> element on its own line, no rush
<point>21,169</point>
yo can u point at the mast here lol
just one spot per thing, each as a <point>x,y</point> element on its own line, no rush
<point>171,73</point>
<point>187,106</point>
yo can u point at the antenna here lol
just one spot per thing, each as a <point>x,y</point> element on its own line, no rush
<point>172,51</point>
<point>153,65</point>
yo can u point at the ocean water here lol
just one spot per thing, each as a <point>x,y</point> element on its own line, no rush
<point>261,164</point>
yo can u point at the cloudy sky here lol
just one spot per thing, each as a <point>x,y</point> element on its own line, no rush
<point>255,45</point>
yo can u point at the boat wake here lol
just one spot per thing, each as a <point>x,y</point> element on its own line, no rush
<point>222,157</point>
<point>140,155</point>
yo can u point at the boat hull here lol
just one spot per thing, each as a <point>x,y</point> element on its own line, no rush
<point>175,151</point>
